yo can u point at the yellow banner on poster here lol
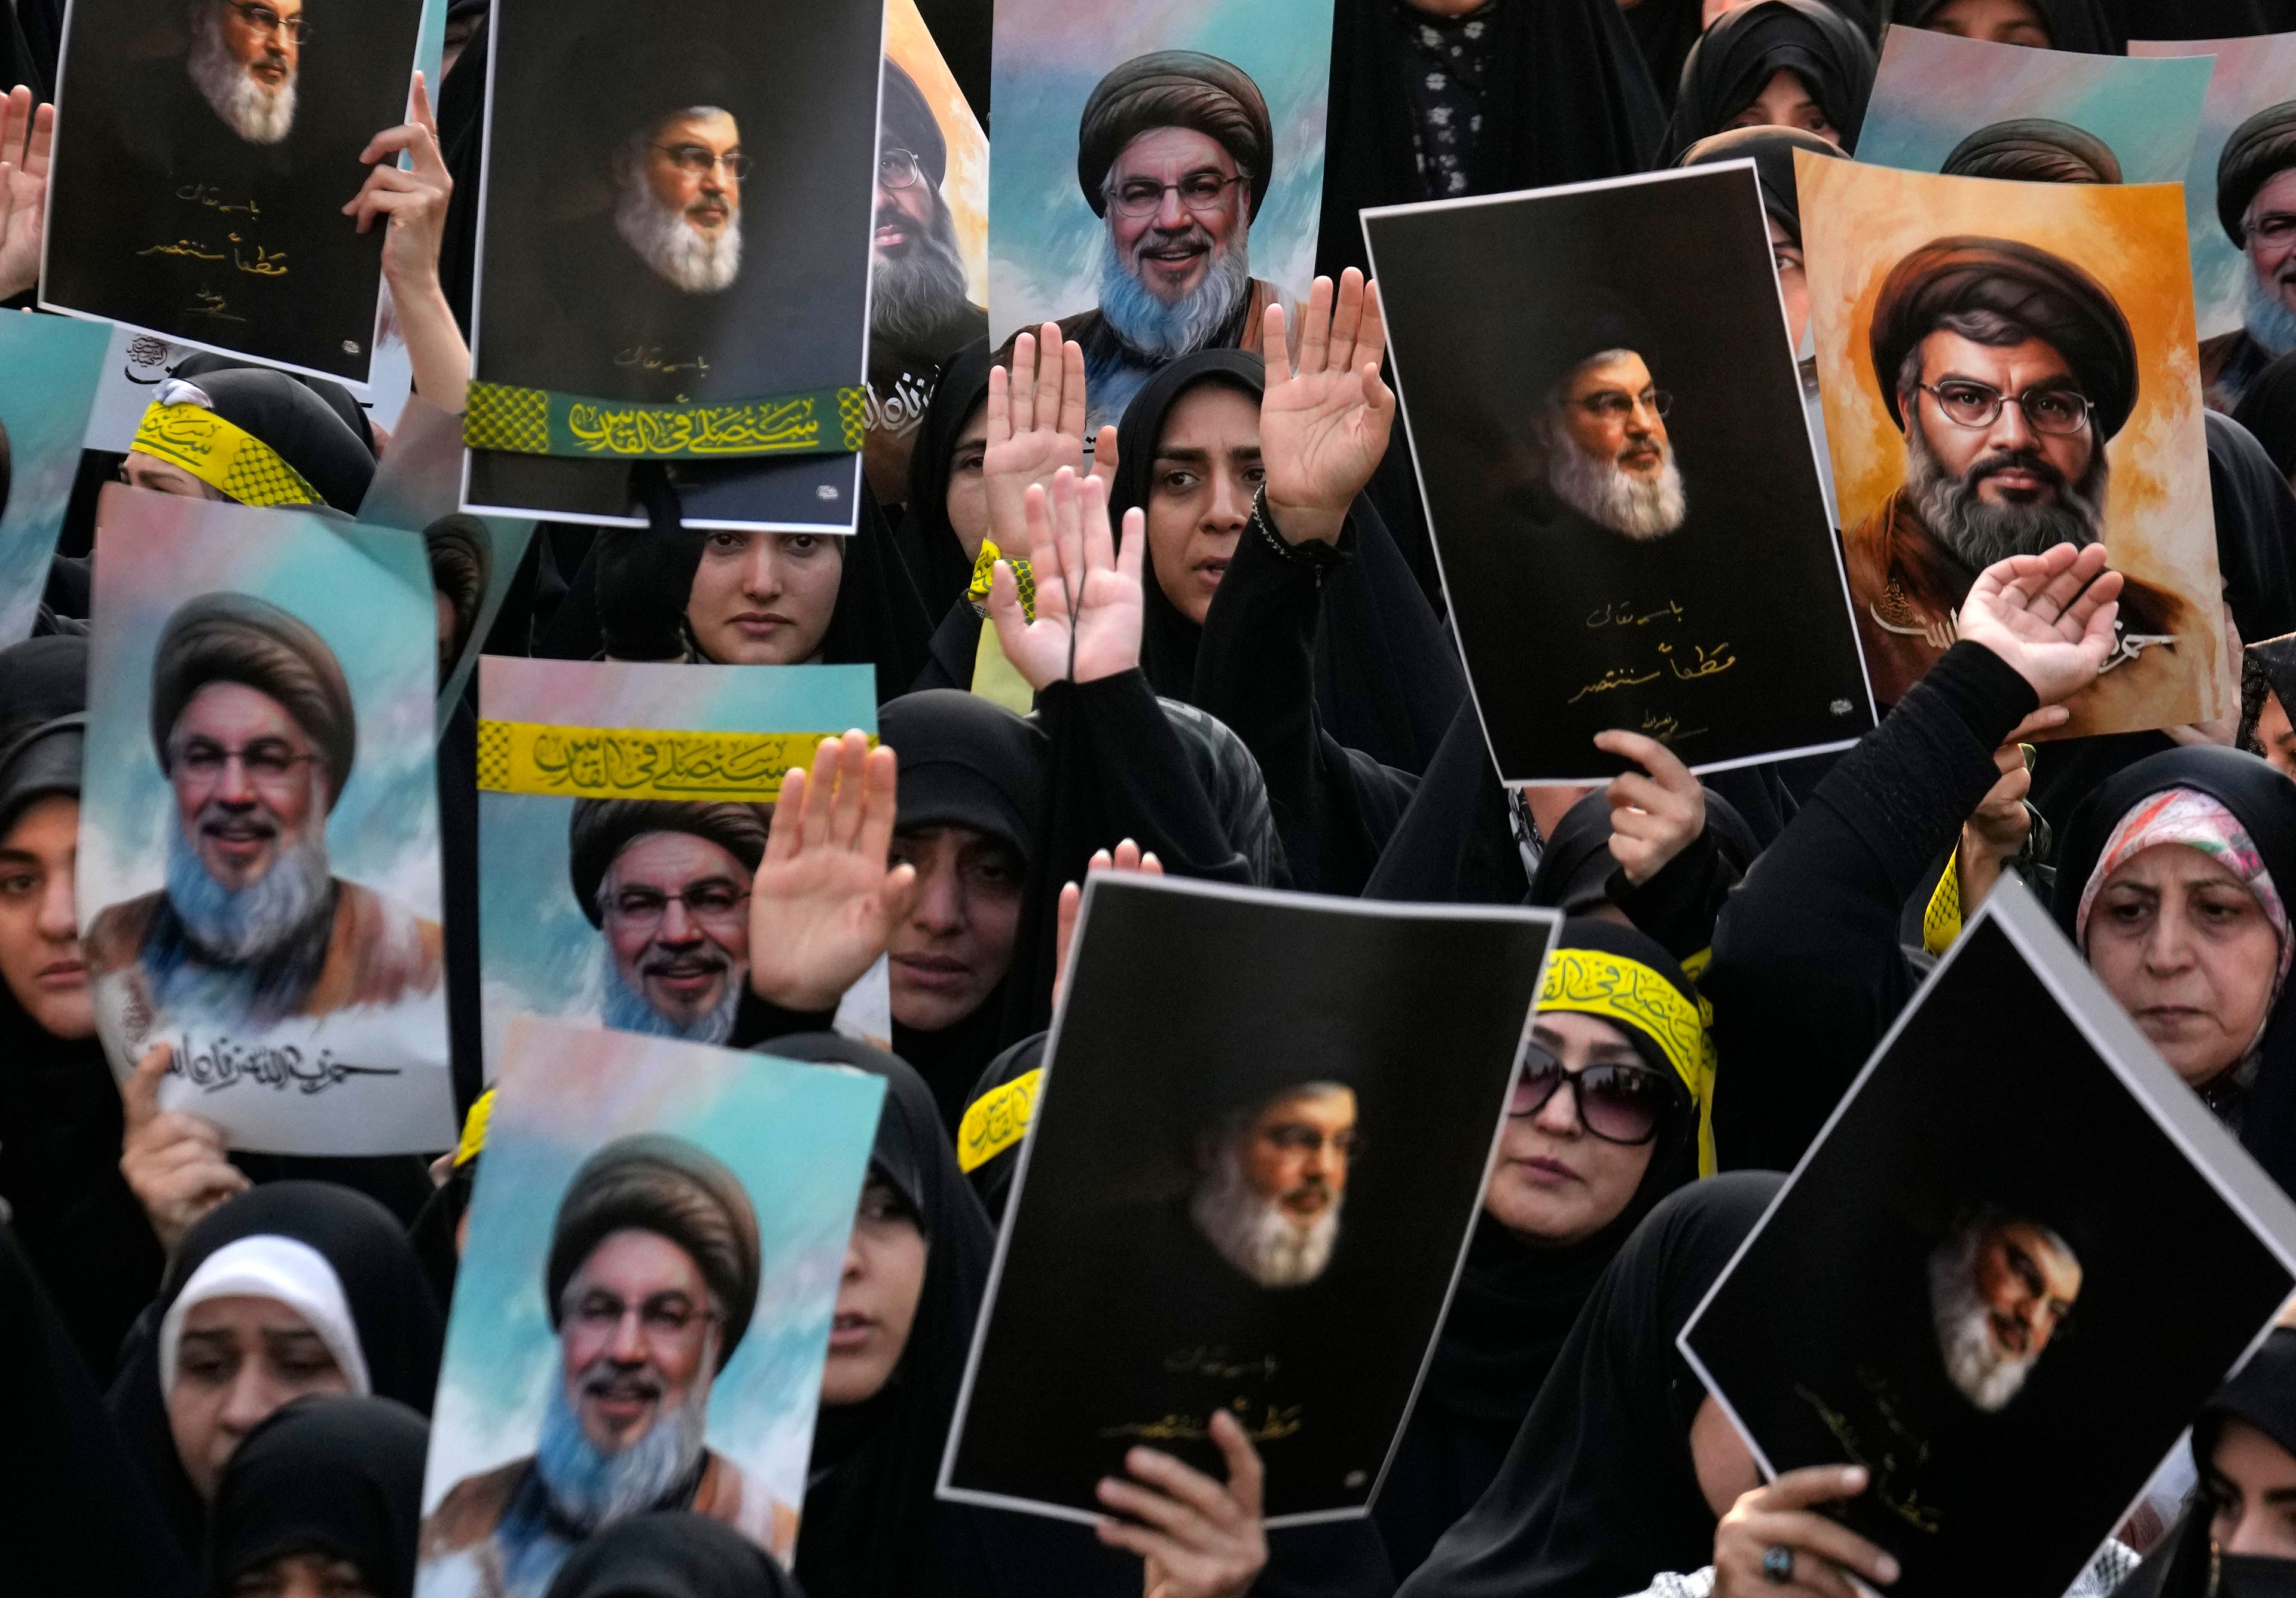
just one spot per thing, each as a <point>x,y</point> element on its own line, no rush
<point>639,763</point>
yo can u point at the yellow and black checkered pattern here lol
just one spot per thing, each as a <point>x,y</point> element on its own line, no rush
<point>853,417</point>
<point>494,754</point>
<point>501,416</point>
<point>984,571</point>
<point>259,475</point>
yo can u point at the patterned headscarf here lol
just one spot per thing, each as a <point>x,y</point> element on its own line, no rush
<point>2198,821</point>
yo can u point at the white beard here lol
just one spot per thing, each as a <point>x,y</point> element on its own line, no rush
<point>1255,1235</point>
<point>626,1010</point>
<point>250,922</point>
<point>594,1490</point>
<point>1986,1378</point>
<point>1162,332</point>
<point>1598,490</point>
<point>2266,316</point>
<point>692,262</point>
<point>258,115</point>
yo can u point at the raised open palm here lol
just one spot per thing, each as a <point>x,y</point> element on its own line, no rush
<point>1035,426</point>
<point>2049,615</point>
<point>1324,428</point>
<point>1088,600</point>
<point>25,135</point>
<point>823,904</point>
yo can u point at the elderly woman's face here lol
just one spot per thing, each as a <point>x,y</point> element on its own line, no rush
<point>2188,952</point>
<point>240,1358</point>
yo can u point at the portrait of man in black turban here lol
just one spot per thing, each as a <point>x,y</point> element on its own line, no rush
<point>2033,150</point>
<point>254,727</point>
<point>2009,371</point>
<point>1174,153</point>
<point>2256,204</point>
<point>651,1282</point>
<point>667,884</point>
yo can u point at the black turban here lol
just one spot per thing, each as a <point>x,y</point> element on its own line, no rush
<point>304,429</point>
<point>1772,152</point>
<point>671,73</point>
<point>1175,88</point>
<point>2046,294</point>
<point>238,638</point>
<point>649,1182</point>
<point>2264,145</point>
<point>601,828</point>
<point>907,121</point>
<point>2034,150</point>
<point>462,557</point>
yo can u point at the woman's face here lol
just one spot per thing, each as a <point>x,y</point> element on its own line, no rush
<point>40,958</point>
<point>140,470</point>
<point>1793,281</point>
<point>764,598</point>
<point>1787,101</point>
<point>2187,949</point>
<point>876,1298</point>
<point>241,1358</point>
<point>1995,21</point>
<point>967,500</point>
<point>1556,1184</point>
<point>2250,1486</point>
<point>302,1575</point>
<point>1200,492</point>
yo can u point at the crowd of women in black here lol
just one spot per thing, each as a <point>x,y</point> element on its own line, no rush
<point>1298,718</point>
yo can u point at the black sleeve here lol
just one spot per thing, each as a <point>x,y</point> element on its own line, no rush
<point>1680,903</point>
<point>1120,771</point>
<point>759,1021</point>
<point>1334,809</point>
<point>1806,973</point>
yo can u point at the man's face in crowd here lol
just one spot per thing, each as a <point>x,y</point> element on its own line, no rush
<point>2007,461</point>
<point>1785,101</point>
<point>764,598</point>
<point>2271,227</point>
<point>685,167</point>
<point>1999,1292</point>
<point>1171,248</point>
<point>2184,947</point>
<point>1608,410</point>
<point>240,1359</point>
<point>262,38</point>
<point>40,958</point>
<point>1995,21</point>
<point>956,944</point>
<point>1295,1151</point>
<point>677,922</point>
<point>637,1334</point>
<point>248,784</point>
<point>1207,471</point>
<point>904,203</point>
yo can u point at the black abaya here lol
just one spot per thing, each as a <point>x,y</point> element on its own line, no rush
<point>338,1476</point>
<point>2268,409</point>
<point>1597,1495</point>
<point>671,1553</point>
<point>930,547</point>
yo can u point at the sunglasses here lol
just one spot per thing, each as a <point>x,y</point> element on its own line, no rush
<point>1616,1102</point>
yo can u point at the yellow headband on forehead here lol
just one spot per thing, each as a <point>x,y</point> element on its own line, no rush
<point>227,458</point>
<point>1630,994</point>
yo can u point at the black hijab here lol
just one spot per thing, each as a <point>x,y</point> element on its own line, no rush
<point>2265,802</point>
<point>461,100</point>
<point>1568,100</point>
<point>337,1476</point>
<point>61,1122</point>
<point>1598,1494</point>
<point>71,1504</point>
<point>305,431</point>
<point>878,620</point>
<point>671,1553</point>
<point>929,546</point>
<point>398,1323</point>
<point>2085,26</point>
<point>870,1515</point>
<point>1456,843</point>
<point>2268,408</point>
<point>1726,69</point>
<point>1772,152</point>
<point>2256,529</point>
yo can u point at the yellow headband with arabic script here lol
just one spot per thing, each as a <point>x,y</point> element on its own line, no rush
<point>1595,982</point>
<point>227,458</point>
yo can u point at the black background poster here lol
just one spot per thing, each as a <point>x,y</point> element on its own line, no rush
<point>226,228</point>
<point>1728,637</point>
<point>1209,1033</point>
<point>2000,1151</point>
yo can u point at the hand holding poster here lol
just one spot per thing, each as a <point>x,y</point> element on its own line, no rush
<point>705,1195</point>
<point>1617,472</point>
<point>260,866</point>
<point>2003,1219</point>
<point>2007,368</point>
<point>1291,1186</point>
<point>49,369</point>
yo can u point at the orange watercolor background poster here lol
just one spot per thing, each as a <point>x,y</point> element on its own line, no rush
<point>2160,528</point>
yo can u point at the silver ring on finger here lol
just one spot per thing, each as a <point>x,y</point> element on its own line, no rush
<point>1778,1564</point>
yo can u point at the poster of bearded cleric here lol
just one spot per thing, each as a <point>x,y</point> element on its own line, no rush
<point>200,174</point>
<point>2005,369</point>
<point>1618,473</point>
<point>2019,1216</point>
<point>622,810</point>
<point>1157,175</point>
<point>1975,109</point>
<point>258,872</point>
<point>2240,202</point>
<point>1255,1202</point>
<point>674,238</point>
<point>642,1316</point>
